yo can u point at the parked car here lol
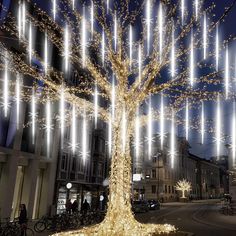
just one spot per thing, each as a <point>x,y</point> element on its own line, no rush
<point>154,205</point>
<point>140,206</point>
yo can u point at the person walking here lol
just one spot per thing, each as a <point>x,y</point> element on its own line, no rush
<point>74,206</point>
<point>85,207</point>
<point>68,206</point>
<point>23,219</point>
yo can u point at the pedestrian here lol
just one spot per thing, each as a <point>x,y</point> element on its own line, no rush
<point>68,206</point>
<point>23,219</point>
<point>85,207</point>
<point>74,206</point>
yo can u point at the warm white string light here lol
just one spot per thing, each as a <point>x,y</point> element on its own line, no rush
<point>226,72</point>
<point>18,98</point>
<point>187,121</point>
<point>66,48</point>
<point>96,105</point>
<point>113,97</point>
<point>148,24</point>
<point>162,122</point>
<point>23,18</point>
<point>160,25</point>
<point>204,36</point>
<point>130,46</point>
<point>45,54</point>
<point>6,87</point>
<point>123,132</point>
<point>191,62</point>
<point>19,21</point>
<point>217,48</point>
<point>108,6</point>
<point>110,135</point>
<point>202,124</point>
<point>73,5</point>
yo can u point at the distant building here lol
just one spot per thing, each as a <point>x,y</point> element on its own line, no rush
<point>158,178</point>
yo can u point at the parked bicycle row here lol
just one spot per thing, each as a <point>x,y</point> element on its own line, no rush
<point>67,221</point>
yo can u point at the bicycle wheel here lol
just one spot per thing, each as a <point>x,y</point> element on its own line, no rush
<point>39,226</point>
<point>29,232</point>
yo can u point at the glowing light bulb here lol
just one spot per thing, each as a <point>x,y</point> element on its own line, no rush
<point>202,123</point>
<point>73,5</point>
<point>148,22</point>
<point>73,129</point>
<point>191,77</point>
<point>162,122</point>
<point>218,127</point>
<point>30,43</point>
<point>130,46</point>
<point>172,140</point>
<point>33,114</point>
<point>226,72</point>
<point>217,48</point>
<point>160,23</point>
<point>6,88</point>
<point>92,18</point>
<point>96,105</point>
<point>66,48</point>
<point>103,47</point>
<point>137,135</point>
<point>140,62</point>
<point>84,137</point>
<point>18,88</point>
<point>204,36</point>
<point>150,128</point>
<point>115,32</point>
<point>173,54</point>
<point>83,43</point>
<point>45,54</point>
<point>187,121</point>
<point>54,9</point>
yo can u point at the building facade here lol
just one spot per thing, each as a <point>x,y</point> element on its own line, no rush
<point>158,178</point>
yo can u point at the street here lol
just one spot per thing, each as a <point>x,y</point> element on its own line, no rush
<point>201,218</point>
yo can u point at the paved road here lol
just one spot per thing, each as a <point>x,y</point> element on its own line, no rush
<point>202,218</point>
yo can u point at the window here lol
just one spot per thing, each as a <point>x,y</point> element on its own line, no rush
<point>169,188</point>
<point>154,173</point>
<point>73,164</point>
<point>153,188</point>
<point>173,189</point>
<point>165,188</point>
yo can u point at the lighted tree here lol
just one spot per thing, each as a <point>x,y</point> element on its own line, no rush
<point>125,58</point>
<point>183,185</point>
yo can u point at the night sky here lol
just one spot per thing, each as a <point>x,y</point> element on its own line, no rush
<point>227,28</point>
